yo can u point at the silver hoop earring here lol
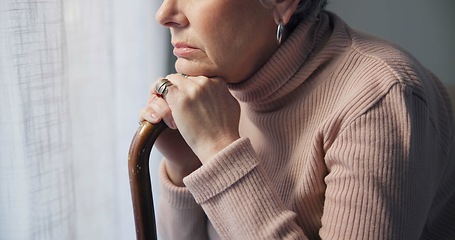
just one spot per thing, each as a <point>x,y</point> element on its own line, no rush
<point>279,32</point>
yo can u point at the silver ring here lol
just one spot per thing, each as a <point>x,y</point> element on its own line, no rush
<point>162,85</point>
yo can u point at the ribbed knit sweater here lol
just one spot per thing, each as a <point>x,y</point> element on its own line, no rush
<point>343,136</point>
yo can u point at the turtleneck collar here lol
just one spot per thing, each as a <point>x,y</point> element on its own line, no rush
<point>274,80</point>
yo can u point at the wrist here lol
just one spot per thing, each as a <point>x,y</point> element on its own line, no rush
<point>176,172</point>
<point>215,147</point>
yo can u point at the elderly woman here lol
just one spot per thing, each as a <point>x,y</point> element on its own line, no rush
<point>285,123</point>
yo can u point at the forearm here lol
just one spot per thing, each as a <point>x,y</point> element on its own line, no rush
<point>179,160</point>
<point>239,199</point>
<point>179,216</point>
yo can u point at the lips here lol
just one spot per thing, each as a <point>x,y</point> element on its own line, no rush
<point>183,50</point>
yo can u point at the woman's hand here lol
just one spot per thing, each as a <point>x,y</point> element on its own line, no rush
<point>205,114</point>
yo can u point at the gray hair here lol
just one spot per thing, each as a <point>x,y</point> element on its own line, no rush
<point>307,10</point>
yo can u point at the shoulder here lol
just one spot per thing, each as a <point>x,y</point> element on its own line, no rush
<point>377,64</point>
<point>369,67</point>
<point>382,60</point>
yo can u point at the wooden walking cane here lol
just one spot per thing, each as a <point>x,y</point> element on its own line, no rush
<point>139,175</point>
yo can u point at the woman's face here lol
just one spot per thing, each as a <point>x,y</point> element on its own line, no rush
<point>230,39</point>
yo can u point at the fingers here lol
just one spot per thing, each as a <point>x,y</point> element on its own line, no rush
<point>149,113</point>
<point>161,86</point>
<point>157,110</point>
<point>184,88</point>
<point>162,91</point>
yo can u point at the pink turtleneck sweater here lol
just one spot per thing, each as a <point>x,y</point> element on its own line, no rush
<point>344,136</point>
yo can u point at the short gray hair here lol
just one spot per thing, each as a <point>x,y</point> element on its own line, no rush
<point>306,10</point>
<point>309,9</point>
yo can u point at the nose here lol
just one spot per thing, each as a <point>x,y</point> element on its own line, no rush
<point>170,14</point>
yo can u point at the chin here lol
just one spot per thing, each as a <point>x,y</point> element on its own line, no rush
<point>193,68</point>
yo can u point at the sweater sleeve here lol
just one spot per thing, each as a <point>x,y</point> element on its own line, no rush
<point>179,216</point>
<point>238,197</point>
<point>384,169</point>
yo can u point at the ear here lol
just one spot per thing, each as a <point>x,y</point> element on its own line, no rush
<point>284,9</point>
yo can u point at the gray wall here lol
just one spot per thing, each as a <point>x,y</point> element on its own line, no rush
<point>424,28</point>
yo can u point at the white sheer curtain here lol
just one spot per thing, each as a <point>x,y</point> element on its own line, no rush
<point>73,75</point>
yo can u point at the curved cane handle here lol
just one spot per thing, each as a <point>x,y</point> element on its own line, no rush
<point>139,175</point>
